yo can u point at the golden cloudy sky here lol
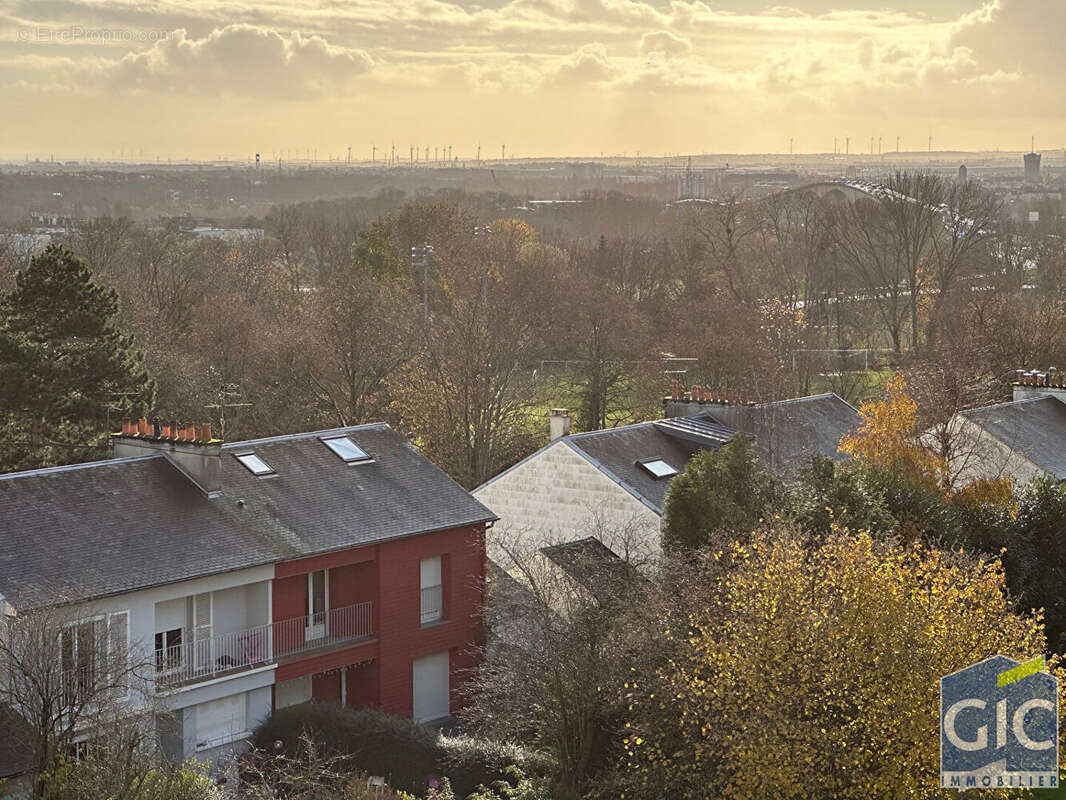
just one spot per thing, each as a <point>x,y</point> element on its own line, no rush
<point>204,78</point>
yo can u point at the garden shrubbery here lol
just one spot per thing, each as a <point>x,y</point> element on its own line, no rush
<point>404,752</point>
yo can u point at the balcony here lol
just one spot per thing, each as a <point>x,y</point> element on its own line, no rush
<point>229,653</point>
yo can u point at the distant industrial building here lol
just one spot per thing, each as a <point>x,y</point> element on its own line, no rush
<point>1032,168</point>
<point>963,174</point>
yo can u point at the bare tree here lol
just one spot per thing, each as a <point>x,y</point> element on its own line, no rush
<point>70,674</point>
<point>551,657</point>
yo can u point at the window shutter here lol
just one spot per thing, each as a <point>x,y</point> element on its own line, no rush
<point>118,645</point>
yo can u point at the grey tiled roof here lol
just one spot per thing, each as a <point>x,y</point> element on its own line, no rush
<point>789,432</point>
<point>117,526</point>
<point>1035,427</point>
<point>616,451</point>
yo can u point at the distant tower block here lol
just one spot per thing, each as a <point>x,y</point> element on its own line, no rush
<point>963,174</point>
<point>1032,168</point>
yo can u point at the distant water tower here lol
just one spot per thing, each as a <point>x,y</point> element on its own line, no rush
<point>963,174</point>
<point>1032,168</point>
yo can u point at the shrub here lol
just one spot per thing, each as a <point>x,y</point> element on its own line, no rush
<point>471,761</point>
<point>369,740</point>
<point>404,752</point>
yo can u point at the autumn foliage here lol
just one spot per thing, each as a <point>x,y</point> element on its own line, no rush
<point>800,672</point>
<point>889,438</point>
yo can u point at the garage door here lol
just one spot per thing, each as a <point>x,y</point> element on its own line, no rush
<point>431,686</point>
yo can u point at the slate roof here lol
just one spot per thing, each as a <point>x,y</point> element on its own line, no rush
<point>1034,427</point>
<point>616,451</point>
<point>575,558</point>
<point>789,432</point>
<point>111,527</point>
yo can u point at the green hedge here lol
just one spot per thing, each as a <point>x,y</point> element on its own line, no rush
<point>402,751</point>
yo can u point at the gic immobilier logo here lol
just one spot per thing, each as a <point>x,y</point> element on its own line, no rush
<point>999,726</point>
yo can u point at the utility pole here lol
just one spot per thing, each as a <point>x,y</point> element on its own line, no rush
<point>420,258</point>
<point>503,152</point>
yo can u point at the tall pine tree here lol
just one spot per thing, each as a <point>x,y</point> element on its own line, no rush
<point>65,367</point>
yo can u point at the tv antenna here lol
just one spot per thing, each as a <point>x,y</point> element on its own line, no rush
<point>226,393</point>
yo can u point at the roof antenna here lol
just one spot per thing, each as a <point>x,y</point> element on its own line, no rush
<point>226,392</point>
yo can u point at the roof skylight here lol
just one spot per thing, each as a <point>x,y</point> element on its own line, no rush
<point>254,464</point>
<point>346,449</point>
<point>657,468</point>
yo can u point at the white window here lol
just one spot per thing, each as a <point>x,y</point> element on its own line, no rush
<point>221,721</point>
<point>201,615</point>
<point>255,464</point>
<point>93,655</point>
<point>346,449</point>
<point>432,590</point>
<point>431,687</point>
<point>168,649</point>
<point>317,604</point>
<point>657,468</point>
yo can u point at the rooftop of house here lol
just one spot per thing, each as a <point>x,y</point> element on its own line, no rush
<point>1034,427</point>
<point>622,453</point>
<point>641,458</point>
<point>111,527</point>
<point>789,432</point>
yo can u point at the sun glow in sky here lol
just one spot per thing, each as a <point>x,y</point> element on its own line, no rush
<point>204,78</point>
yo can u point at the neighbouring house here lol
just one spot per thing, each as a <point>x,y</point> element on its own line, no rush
<point>337,566</point>
<point>15,754</point>
<point>611,484</point>
<point>1021,439</point>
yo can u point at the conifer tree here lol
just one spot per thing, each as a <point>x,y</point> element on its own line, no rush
<point>66,368</point>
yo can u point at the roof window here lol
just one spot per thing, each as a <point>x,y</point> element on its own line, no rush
<point>657,468</point>
<point>254,464</point>
<point>347,450</point>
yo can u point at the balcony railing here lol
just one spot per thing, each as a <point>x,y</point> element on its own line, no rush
<point>226,653</point>
<point>432,604</point>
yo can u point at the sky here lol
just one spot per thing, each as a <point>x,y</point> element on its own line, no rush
<point>226,78</point>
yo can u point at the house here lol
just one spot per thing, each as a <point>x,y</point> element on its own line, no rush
<point>337,566</point>
<point>611,484</point>
<point>1021,439</point>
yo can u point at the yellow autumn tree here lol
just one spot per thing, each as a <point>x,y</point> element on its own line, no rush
<point>813,672</point>
<point>889,437</point>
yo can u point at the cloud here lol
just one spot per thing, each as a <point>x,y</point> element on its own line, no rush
<point>665,43</point>
<point>237,60</point>
<point>588,64</point>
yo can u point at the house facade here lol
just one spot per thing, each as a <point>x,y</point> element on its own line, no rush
<point>336,566</point>
<point>1022,439</point>
<point>611,484</point>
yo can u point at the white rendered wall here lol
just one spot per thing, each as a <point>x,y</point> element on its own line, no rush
<point>557,496</point>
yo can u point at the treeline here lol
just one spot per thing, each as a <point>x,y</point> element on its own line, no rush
<point>334,317</point>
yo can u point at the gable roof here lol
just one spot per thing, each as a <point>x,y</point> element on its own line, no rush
<point>117,526</point>
<point>1034,427</point>
<point>617,451</point>
<point>789,432</point>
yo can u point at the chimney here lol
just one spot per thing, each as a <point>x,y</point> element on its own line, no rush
<point>1034,383</point>
<point>726,407</point>
<point>560,423</point>
<point>190,448</point>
